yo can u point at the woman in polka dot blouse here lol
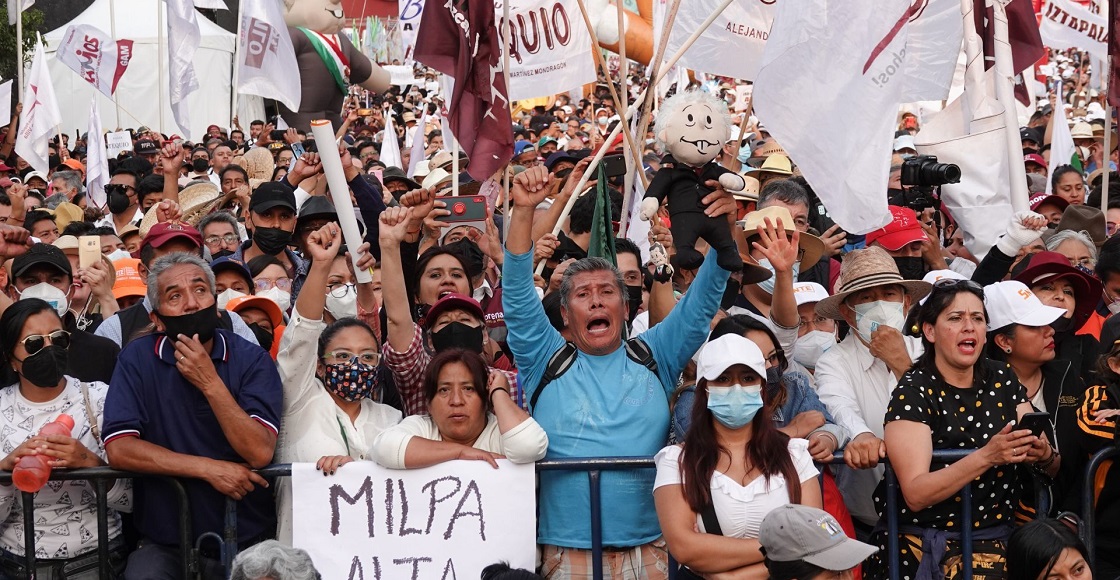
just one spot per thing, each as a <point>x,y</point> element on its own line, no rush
<point>954,398</point>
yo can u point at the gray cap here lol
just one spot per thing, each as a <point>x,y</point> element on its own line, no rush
<point>796,532</point>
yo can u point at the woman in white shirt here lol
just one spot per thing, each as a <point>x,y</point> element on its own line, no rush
<point>734,465</point>
<point>36,347</point>
<point>470,416</point>
<point>329,372</point>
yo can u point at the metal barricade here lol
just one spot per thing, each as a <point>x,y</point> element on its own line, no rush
<point>1088,499</point>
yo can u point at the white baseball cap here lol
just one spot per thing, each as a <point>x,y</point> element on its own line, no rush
<point>904,142</point>
<point>935,276</point>
<point>726,351</point>
<point>808,293</point>
<point>1012,302</point>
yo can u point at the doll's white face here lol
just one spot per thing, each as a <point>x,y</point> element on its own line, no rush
<point>695,133</point>
<point>323,16</point>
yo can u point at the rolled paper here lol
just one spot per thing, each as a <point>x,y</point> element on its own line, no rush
<point>340,193</point>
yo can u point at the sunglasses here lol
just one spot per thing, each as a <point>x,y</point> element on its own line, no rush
<point>951,283</point>
<point>33,343</point>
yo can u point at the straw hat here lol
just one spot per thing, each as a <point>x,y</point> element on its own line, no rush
<point>435,178</point>
<point>868,268</point>
<point>810,244</point>
<point>65,213</point>
<point>195,201</point>
<point>778,164</point>
<point>258,164</point>
<point>750,192</point>
<point>766,150</point>
<point>1081,130</point>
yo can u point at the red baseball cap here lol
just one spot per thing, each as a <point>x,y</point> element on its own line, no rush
<point>1035,158</point>
<point>903,229</point>
<point>164,232</point>
<point>1042,198</point>
<point>453,301</point>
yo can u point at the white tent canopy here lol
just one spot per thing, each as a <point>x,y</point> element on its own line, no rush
<point>142,91</point>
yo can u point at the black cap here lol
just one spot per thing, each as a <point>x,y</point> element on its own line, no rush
<point>42,254</point>
<point>146,147</point>
<point>316,206</point>
<point>1030,134</point>
<point>272,194</point>
<point>397,174</point>
<point>558,156</point>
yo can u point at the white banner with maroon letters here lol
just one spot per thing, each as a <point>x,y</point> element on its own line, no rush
<point>446,521</point>
<point>266,60</point>
<point>409,24</point>
<point>1068,24</point>
<point>741,30</point>
<point>94,55</point>
<point>550,47</point>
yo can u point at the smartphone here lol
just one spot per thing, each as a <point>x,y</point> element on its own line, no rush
<point>614,165</point>
<point>89,251</point>
<point>276,135</point>
<point>297,152</point>
<point>467,210</point>
<point>365,112</point>
<point>1038,423</point>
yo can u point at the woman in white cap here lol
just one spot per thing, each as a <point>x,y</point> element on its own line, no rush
<point>805,543</point>
<point>954,398</point>
<point>734,467</point>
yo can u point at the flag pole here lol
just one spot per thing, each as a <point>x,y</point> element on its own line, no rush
<point>1005,93</point>
<point>655,67</point>
<point>236,67</point>
<point>628,148</point>
<point>742,132</point>
<point>505,75</point>
<point>113,32</point>
<point>164,56</point>
<point>1107,161</point>
<point>19,45</point>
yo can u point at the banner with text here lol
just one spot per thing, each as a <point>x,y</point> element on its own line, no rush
<point>1068,24</point>
<point>94,55</point>
<point>117,143</point>
<point>409,24</point>
<point>448,521</point>
<point>741,30</point>
<point>550,47</point>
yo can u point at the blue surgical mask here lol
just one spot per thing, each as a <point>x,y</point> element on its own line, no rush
<point>744,155</point>
<point>767,285</point>
<point>735,406</point>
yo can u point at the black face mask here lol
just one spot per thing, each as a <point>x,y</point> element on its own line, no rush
<point>911,268</point>
<point>458,335</point>
<point>221,254</point>
<point>634,300</point>
<point>264,336</point>
<point>203,323</point>
<point>46,367</point>
<point>271,241</point>
<point>200,165</point>
<point>730,293</point>
<point>118,202</point>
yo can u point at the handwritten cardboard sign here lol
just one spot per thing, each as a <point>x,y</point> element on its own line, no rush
<point>117,142</point>
<point>449,521</point>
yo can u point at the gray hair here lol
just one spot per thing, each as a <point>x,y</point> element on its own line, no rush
<point>567,285</point>
<point>785,191</point>
<point>685,98</point>
<point>219,216</point>
<point>1066,235</point>
<point>73,179</point>
<point>271,560</point>
<point>165,263</point>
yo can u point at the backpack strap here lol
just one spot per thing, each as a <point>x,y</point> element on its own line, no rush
<point>134,320</point>
<point>558,364</point>
<point>638,351</point>
<point>711,522</point>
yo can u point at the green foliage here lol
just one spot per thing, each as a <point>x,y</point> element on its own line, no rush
<point>32,23</point>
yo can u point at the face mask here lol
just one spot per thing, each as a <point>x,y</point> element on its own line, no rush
<point>634,300</point>
<point>200,165</point>
<point>118,254</point>
<point>735,406</point>
<point>773,376</point>
<point>49,294</point>
<point>458,335</point>
<point>767,285</point>
<point>1114,307</point>
<point>809,348</point>
<point>870,316</point>
<point>221,254</point>
<point>271,241</point>
<point>203,323</point>
<point>118,202</point>
<point>744,155</point>
<point>46,367</point>
<point>345,307</point>
<point>352,381</point>
<point>281,298</point>
<point>226,295</point>
<point>602,121</point>
<point>730,293</point>
<point>911,268</point>
<point>264,336</point>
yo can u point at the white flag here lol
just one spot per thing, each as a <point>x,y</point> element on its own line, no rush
<point>637,230</point>
<point>95,56</point>
<point>97,161</point>
<point>551,58</point>
<point>266,60</point>
<point>15,7</point>
<point>390,148</point>
<point>1068,24</point>
<point>417,145</point>
<point>41,117</point>
<point>183,38</point>
<point>740,30</point>
<point>832,77</point>
<point>211,4</point>
<point>1062,148</point>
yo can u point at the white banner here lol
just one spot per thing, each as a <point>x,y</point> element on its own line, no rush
<point>266,60</point>
<point>741,30</point>
<point>1068,24</point>
<point>409,24</point>
<point>118,142</point>
<point>97,160</point>
<point>183,39</point>
<point>551,47</point>
<point>40,117</point>
<point>93,54</point>
<point>442,522</point>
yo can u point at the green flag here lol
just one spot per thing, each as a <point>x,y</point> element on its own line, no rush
<point>602,230</point>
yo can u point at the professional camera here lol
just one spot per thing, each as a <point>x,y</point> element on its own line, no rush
<point>925,171</point>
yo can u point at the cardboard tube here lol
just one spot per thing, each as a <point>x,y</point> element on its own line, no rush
<point>340,193</point>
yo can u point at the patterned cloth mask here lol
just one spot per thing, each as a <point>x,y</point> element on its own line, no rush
<point>351,381</point>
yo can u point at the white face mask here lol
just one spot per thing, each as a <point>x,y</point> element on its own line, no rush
<point>809,348</point>
<point>281,298</point>
<point>118,254</point>
<point>49,294</point>
<point>226,295</point>
<point>872,315</point>
<point>1114,307</point>
<point>345,307</point>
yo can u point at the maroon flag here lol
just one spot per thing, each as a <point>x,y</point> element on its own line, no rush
<point>1022,32</point>
<point>459,38</point>
<point>1114,54</point>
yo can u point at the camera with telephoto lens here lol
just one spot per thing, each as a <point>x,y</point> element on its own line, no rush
<point>925,171</point>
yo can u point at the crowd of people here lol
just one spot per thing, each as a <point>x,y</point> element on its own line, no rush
<point>226,325</point>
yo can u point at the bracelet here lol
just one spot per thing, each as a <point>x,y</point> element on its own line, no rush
<point>1046,463</point>
<point>491,397</point>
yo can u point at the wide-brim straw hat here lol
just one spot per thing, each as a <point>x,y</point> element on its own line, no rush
<point>868,268</point>
<point>812,245</point>
<point>195,201</point>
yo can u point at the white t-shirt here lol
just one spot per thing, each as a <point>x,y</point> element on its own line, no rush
<point>526,442</point>
<point>740,509</point>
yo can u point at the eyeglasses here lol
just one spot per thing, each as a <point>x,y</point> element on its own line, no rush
<point>339,290</point>
<point>118,188</point>
<point>369,357</point>
<point>227,239</point>
<point>817,322</point>
<point>284,284</point>
<point>33,343</point>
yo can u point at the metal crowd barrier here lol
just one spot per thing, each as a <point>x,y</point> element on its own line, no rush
<point>593,466</point>
<point>1088,500</point>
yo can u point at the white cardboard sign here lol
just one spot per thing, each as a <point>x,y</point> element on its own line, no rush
<point>117,142</point>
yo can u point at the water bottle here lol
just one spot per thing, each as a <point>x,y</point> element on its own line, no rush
<point>33,471</point>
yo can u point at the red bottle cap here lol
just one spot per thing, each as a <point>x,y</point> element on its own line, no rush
<point>66,420</point>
